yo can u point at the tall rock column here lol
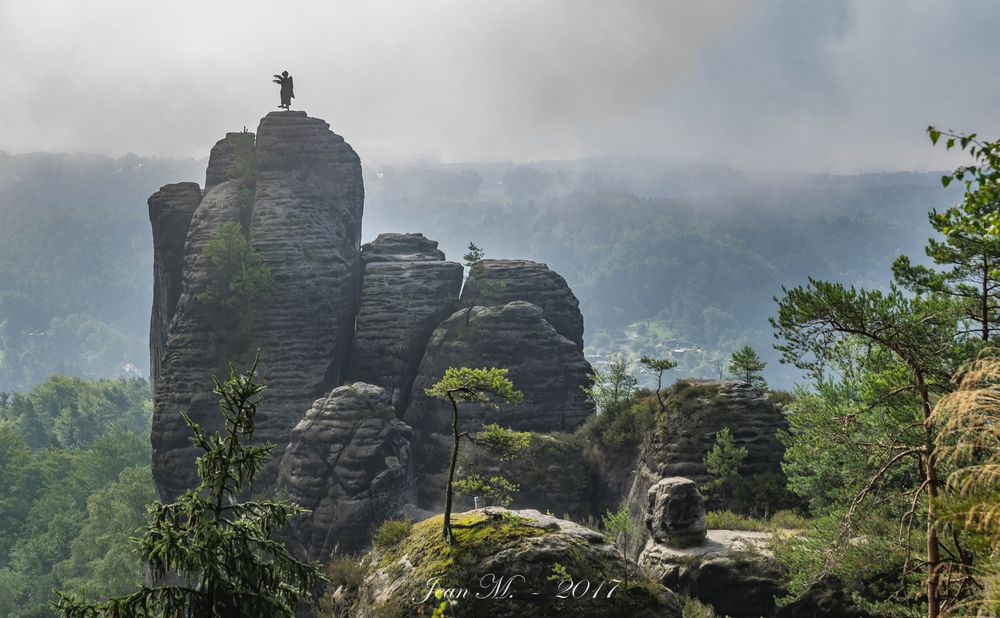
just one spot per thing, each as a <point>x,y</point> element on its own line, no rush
<point>170,212</point>
<point>306,226</point>
<point>407,290</point>
<point>298,194</point>
<point>197,344</point>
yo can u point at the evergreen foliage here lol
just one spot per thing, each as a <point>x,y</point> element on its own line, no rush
<point>484,387</point>
<point>242,280</point>
<point>723,463</point>
<point>659,366</point>
<point>746,365</point>
<point>618,527</point>
<point>221,551</point>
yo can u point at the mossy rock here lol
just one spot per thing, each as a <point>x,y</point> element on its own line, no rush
<point>530,554</point>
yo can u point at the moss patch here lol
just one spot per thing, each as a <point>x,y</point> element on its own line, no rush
<point>505,544</point>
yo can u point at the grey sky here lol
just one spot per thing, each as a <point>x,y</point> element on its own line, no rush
<point>773,84</point>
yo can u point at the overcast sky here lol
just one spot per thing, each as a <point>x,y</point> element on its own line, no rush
<point>820,85</point>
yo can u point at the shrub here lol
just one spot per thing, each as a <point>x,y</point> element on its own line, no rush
<point>345,570</point>
<point>728,520</point>
<point>789,520</point>
<point>391,532</point>
<point>693,608</point>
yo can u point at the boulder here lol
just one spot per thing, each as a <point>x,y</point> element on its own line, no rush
<point>522,551</point>
<point>675,513</point>
<point>347,462</point>
<point>548,368</point>
<point>824,599</point>
<point>407,289</point>
<point>502,281</point>
<point>731,570</point>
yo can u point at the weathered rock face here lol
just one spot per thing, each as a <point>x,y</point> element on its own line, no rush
<point>824,599</point>
<point>347,462</point>
<point>675,513</point>
<point>407,290</point>
<point>306,226</point>
<point>731,571</point>
<point>197,346</point>
<point>170,212</point>
<point>521,546</point>
<point>504,281</point>
<point>548,368</point>
<point>395,247</point>
<point>224,154</point>
<point>698,410</point>
<point>299,195</point>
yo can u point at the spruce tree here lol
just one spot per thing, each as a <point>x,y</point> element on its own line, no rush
<point>211,554</point>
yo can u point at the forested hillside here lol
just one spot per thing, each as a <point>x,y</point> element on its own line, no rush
<point>664,259</point>
<point>75,263</point>
<point>684,262</point>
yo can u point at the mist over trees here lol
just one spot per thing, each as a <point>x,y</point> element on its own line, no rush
<point>666,260</point>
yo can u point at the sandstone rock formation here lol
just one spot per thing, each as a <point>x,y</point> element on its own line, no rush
<point>348,463</point>
<point>299,196</point>
<point>697,411</point>
<point>407,289</point>
<point>395,247</point>
<point>198,344</point>
<point>732,571</point>
<point>387,315</point>
<point>548,368</point>
<point>504,281</point>
<point>522,547</point>
<point>306,226</point>
<point>675,513</point>
<point>543,364</point>
<point>227,152</point>
<point>170,212</point>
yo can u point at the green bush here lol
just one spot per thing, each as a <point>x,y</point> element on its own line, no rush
<point>789,520</point>
<point>391,532</point>
<point>627,428</point>
<point>693,608</point>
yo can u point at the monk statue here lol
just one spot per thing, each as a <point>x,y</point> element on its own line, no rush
<point>287,93</point>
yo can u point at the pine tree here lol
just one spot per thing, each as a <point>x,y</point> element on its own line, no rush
<point>482,386</point>
<point>745,365</point>
<point>971,270</point>
<point>659,366</point>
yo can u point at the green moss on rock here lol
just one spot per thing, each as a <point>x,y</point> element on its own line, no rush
<point>521,548</point>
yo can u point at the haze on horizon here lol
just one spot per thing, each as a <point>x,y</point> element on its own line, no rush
<point>839,86</point>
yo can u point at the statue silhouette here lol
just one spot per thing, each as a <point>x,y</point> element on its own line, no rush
<point>287,92</point>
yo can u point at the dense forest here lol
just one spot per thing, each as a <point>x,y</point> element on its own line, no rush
<point>75,480</point>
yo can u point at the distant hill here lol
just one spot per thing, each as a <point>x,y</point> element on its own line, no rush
<point>664,257</point>
<point>76,263</point>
